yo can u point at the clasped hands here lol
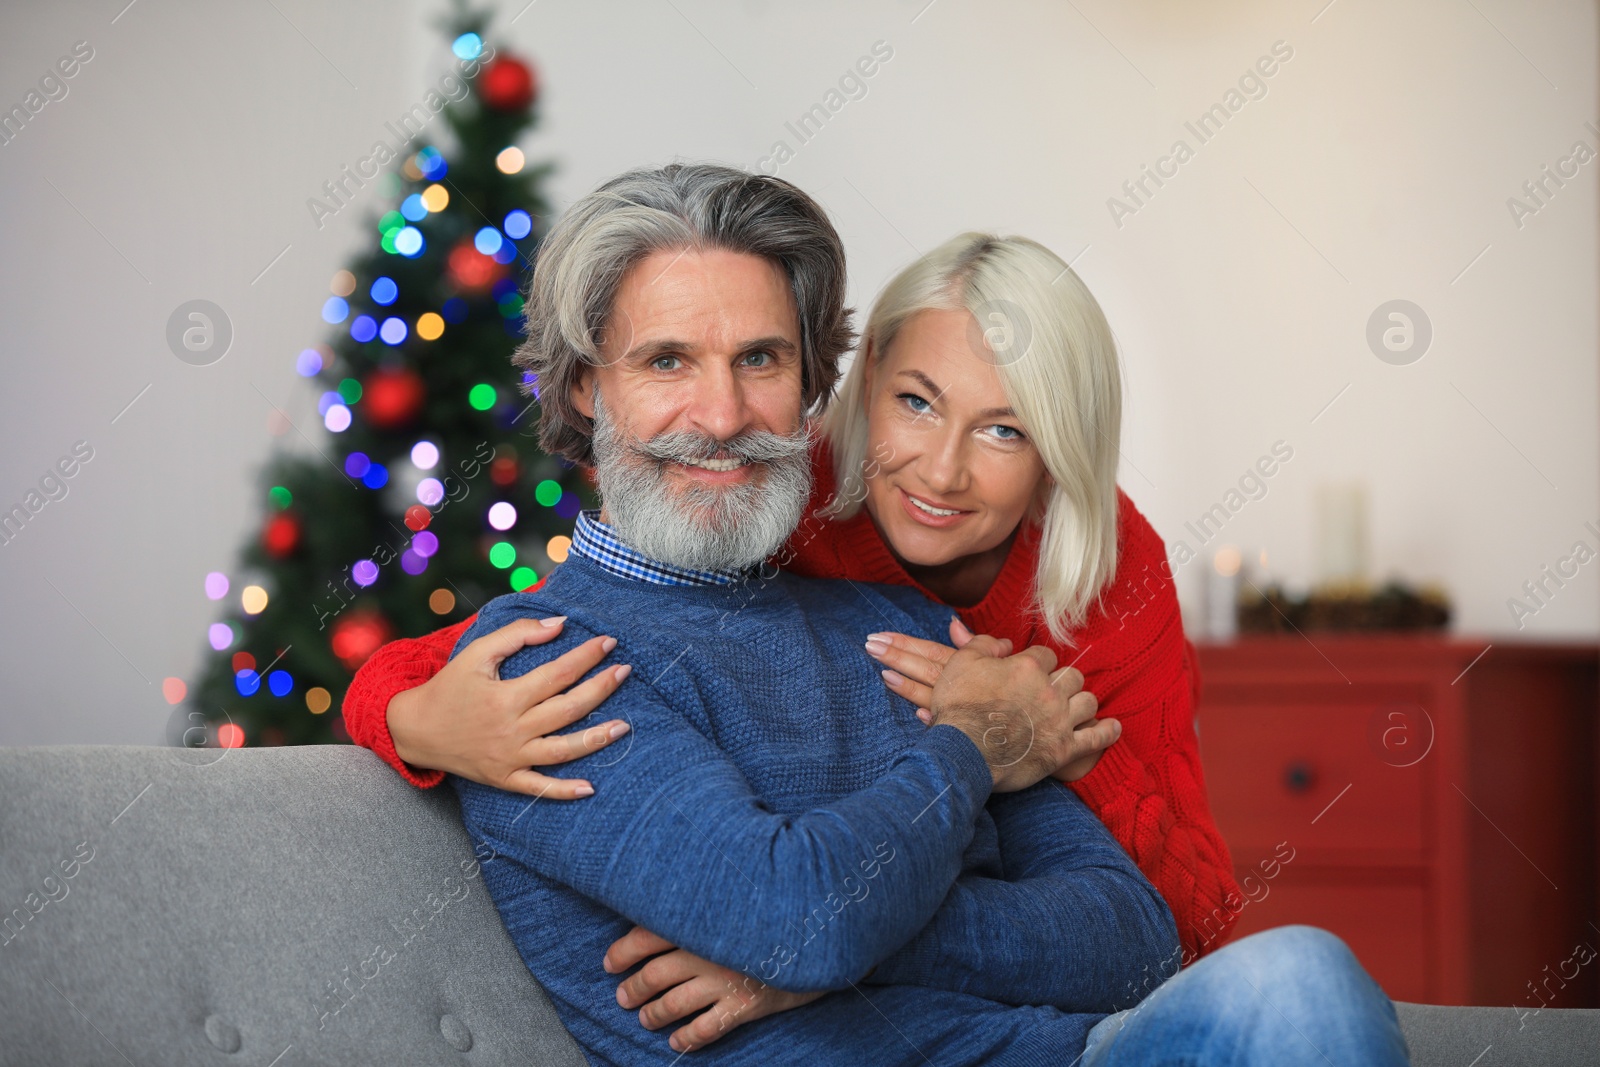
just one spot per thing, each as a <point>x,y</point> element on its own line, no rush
<point>1029,720</point>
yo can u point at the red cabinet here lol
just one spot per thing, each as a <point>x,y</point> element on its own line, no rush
<point>1438,802</point>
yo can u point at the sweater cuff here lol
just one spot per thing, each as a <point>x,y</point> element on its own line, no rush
<point>969,770</point>
<point>1117,774</point>
<point>379,739</point>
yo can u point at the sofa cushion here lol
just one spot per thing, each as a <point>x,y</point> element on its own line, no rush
<point>1500,1037</point>
<point>288,905</point>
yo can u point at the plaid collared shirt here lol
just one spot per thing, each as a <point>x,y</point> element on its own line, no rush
<point>598,543</point>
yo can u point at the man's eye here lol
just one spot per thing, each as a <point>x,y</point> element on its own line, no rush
<point>758,359</point>
<point>914,402</point>
<point>665,363</point>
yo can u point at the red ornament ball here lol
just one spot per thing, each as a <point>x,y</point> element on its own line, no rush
<point>507,84</point>
<point>357,635</point>
<point>391,399</point>
<point>504,471</point>
<point>418,517</point>
<point>281,536</point>
<point>470,269</point>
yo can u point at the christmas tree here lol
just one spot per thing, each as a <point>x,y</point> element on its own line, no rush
<point>427,496</point>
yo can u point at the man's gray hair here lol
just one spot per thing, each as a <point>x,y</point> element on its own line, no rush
<point>582,261</point>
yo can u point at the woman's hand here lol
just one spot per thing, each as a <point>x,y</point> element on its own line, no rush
<point>677,983</point>
<point>914,665</point>
<point>466,721</point>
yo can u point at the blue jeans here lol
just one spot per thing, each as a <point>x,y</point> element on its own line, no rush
<point>1288,996</point>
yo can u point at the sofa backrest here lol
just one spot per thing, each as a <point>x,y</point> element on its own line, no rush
<point>292,905</point>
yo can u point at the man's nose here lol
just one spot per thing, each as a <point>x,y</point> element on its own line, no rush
<point>719,408</point>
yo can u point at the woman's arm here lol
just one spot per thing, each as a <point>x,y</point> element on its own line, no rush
<point>426,715</point>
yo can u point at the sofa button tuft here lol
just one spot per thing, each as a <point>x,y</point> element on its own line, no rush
<point>223,1035</point>
<point>455,1033</point>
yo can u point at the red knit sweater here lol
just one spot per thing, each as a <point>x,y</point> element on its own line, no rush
<point>1147,788</point>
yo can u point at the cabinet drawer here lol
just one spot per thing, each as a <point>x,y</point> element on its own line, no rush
<point>1384,923</point>
<point>1308,771</point>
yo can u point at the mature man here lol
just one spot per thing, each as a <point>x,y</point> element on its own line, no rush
<point>777,810</point>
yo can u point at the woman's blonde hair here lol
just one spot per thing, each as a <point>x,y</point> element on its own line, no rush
<point>1057,362</point>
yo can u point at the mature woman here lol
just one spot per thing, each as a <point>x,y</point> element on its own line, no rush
<point>971,453</point>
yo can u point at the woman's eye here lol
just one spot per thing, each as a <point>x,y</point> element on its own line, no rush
<point>665,363</point>
<point>914,402</point>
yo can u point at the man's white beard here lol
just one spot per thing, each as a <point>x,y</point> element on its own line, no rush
<point>701,527</point>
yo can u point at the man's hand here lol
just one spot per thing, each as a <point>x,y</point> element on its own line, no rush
<point>466,721</point>
<point>1028,719</point>
<point>677,983</point>
<point>914,666</point>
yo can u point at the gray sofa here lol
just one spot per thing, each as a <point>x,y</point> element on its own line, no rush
<point>277,907</point>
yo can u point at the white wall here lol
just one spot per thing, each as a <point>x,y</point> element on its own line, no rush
<point>1377,166</point>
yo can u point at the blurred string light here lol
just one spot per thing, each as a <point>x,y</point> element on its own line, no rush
<point>505,253</point>
<point>247,682</point>
<point>430,491</point>
<point>510,160</point>
<point>384,291</point>
<point>502,515</point>
<point>343,283</point>
<point>356,464</point>
<point>335,309</point>
<point>518,224</point>
<point>557,548</point>
<point>425,544</point>
<point>503,554</point>
<point>309,363</point>
<point>547,492</point>
<point>280,496</point>
<point>413,208</point>
<point>431,164</point>
<point>221,635</point>
<point>436,198</point>
<point>337,420</point>
<point>413,563</point>
<point>487,240</point>
<point>365,572</point>
<point>363,328</point>
<point>425,455</point>
<point>418,517</point>
<point>349,390</point>
<point>430,326</point>
<point>253,599</point>
<point>408,242</point>
<point>230,735</point>
<point>482,396</point>
<point>467,46</point>
<point>440,602</point>
<point>326,401</point>
<point>377,476</point>
<point>174,690</point>
<point>455,310</point>
<point>216,585</point>
<point>393,330</point>
<point>281,683</point>
<point>523,577</point>
<point>243,661</point>
<point>318,700</point>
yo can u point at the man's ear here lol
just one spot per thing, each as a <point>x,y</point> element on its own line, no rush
<point>582,394</point>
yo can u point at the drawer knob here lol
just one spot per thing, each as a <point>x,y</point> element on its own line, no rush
<point>1299,777</point>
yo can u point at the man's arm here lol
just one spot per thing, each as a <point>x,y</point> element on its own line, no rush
<point>1073,924</point>
<point>675,840</point>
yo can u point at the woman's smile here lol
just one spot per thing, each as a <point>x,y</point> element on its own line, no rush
<point>929,511</point>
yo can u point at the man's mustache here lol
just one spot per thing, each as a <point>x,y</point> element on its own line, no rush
<point>749,446</point>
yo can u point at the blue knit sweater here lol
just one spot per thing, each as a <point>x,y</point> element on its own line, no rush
<point>777,810</point>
